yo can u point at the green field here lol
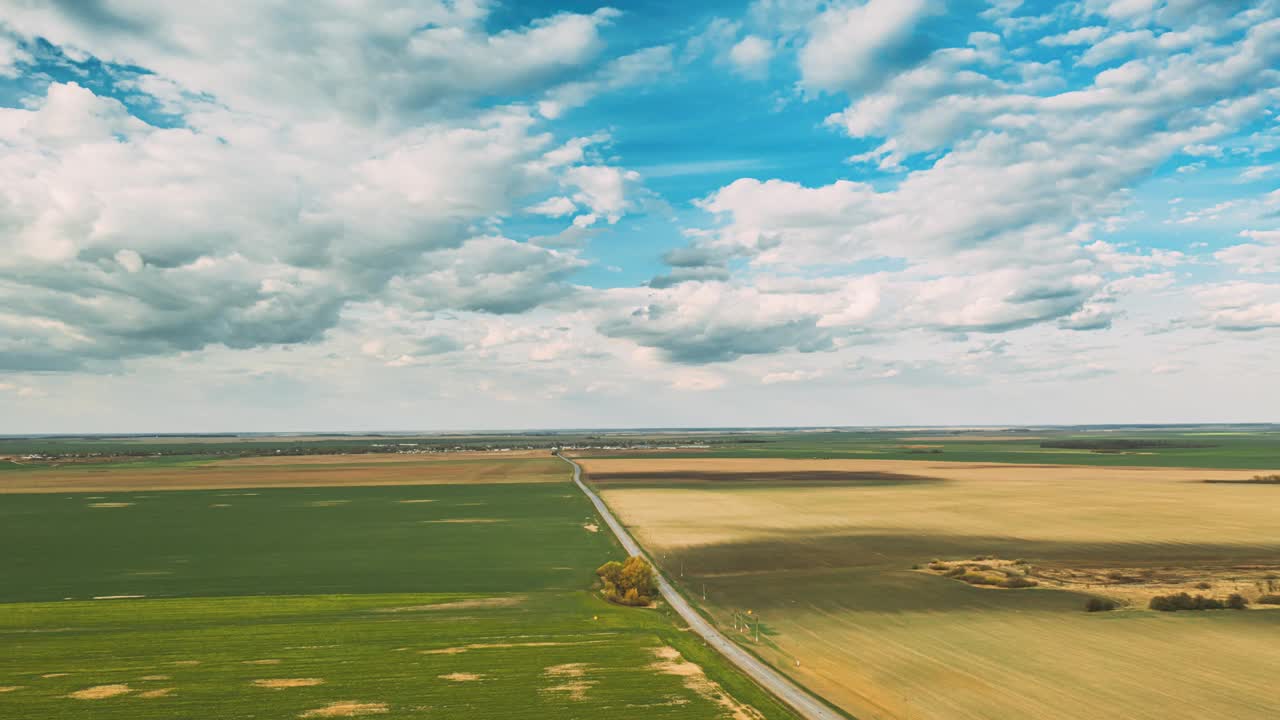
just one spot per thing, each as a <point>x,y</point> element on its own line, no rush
<point>346,593</point>
<point>1220,446</point>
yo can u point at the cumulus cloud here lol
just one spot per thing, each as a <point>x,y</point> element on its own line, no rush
<point>1254,258</point>
<point>394,61</point>
<point>751,55</point>
<point>855,47</point>
<point>1240,306</point>
<point>261,217</point>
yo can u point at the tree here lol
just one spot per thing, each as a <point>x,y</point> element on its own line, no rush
<point>629,583</point>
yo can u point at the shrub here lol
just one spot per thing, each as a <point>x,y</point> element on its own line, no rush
<point>1183,601</point>
<point>1236,601</point>
<point>1018,581</point>
<point>1098,604</point>
<point>1203,585</point>
<point>629,583</point>
<point>1269,600</point>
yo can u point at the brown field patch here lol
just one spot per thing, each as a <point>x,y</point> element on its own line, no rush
<point>385,458</point>
<point>186,663</point>
<point>570,680</point>
<point>354,471</point>
<point>111,505</point>
<point>10,688</point>
<point>154,678</point>
<point>101,692</point>
<point>267,661</point>
<point>461,677</point>
<point>348,709</point>
<point>670,662</point>
<point>608,468</point>
<point>48,676</point>
<point>591,528</point>
<point>827,568</point>
<point>414,502</point>
<point>475,603</point>
<point>284,683</point>
<point>465,521</point>
<point>157,693</point>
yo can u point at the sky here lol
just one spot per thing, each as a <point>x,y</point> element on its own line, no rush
<point>472,214</point>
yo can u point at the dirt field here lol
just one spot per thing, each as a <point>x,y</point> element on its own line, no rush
<point>280,472</point>
<point>826,566</point>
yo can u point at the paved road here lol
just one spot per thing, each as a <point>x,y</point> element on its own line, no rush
<point>805,705</point>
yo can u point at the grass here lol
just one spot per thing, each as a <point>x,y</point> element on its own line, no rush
<point>320,579</point>
<point>827,569</point>
<point>360,654</point>
<point>173,473</point>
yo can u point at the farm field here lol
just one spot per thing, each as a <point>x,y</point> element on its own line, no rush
<point>1200,447</point>
<point>831,558</point>
<point>267,472</point>
<point>425,600</point>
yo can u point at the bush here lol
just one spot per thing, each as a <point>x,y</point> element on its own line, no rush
<point>1183,601</point>
<point>1018,581</point>
<point>629,583</point>
<point>1098,604</point>
<point>1269,600</point>
<point>1203,585</point>
<point>1236,601</point>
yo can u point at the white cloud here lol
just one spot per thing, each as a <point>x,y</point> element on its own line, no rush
<point>1254,258</point>
<point>1241,306</point>
<point>858,47</point>
<point>603,188</point>
<point>11,55</point>
<point>558,206</point>
<point>751,55</point>
<point>394,63</point>
<point>1077,36</point>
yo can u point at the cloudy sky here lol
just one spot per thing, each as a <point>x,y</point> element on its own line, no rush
<point>418,214</point>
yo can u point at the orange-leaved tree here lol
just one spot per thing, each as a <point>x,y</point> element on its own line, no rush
<point>629,583</point>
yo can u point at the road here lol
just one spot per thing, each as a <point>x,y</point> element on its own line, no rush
<point>801,701</point>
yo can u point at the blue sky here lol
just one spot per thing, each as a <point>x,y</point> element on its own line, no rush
<point>473,214</point>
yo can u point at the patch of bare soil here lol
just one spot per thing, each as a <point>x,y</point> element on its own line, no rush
<point>157,693</point>
<point>54,675</point>
<point>187,663</point>
<point>9,688</point>
<point>414,502</point>
<point>347,709</point>
<point>118,597</point>
<point>464,521</point>
<point>327,503</point>
<point>591,527</point>
<point>268,661</point>
<point>110,505</point>
<point>1132,585</point>
<point>670,662</point>
<point>282,683</point>
<point>461,677</point>
<point>101,692</point>
<point>570,680</point>
<point>477,603</point>
<point>154,678</point>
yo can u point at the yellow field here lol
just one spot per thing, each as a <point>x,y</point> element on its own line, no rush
<point>827,567</point>
<point>300,471</point>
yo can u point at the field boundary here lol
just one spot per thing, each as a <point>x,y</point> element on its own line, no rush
<point>797,698</point>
